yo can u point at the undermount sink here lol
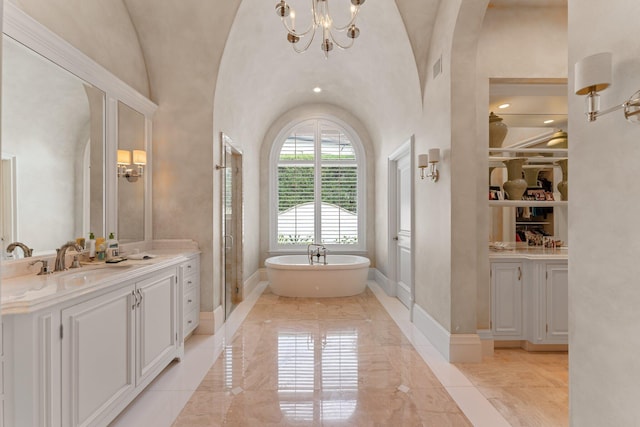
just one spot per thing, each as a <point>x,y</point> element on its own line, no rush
<point>84,275</point>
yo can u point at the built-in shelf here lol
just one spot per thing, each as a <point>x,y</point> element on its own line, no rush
<point>529,203</point>
<point>526,152</point>
<point>532,223</point>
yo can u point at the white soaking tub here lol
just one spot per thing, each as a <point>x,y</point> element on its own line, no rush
<point>293,276</point>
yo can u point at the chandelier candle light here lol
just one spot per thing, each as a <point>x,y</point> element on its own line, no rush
<point>321,18</point>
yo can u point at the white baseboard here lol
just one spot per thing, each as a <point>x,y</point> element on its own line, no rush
<point>486,340</point>
<point>389,287</point>
<point>206,325</point>
<point>404,295</point>
<point>263,274</point>
<point>456,348</point>
<point>251,283</point>
<point>218,318</point>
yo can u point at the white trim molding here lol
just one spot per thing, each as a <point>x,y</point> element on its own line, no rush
<point>252,282</point>
<point>487,341</point>
<point>389,287</point>
<point>456,348</point>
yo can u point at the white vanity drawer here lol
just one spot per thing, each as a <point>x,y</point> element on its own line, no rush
<point>190,321</point>
<point>191,266</point>
<point>190,282</point>
<point>190,301</point>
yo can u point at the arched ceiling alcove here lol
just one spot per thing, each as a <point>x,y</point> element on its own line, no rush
<point>261,77</point>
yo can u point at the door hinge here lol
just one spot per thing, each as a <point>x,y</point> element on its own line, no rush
<point>547,275</point>
<point>547,329</point>
<point>176,336</point>
<point>61,333</point>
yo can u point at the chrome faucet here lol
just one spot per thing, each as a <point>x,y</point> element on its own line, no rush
<point>25,249</point>
<point>317,251</point>
<point>62,252</point>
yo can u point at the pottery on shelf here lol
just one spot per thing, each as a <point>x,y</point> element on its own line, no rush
<point>558,140</point>
<point>531,176</point>
<point>497,131</point>
<point>515,186</point>
<point>563,186</point>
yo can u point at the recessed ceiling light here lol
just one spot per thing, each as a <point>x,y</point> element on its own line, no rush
<point>504,106</point>
<point>546,122</point>
<point>317,89</point>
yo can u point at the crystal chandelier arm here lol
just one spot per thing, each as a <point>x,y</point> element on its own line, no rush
<point>304,49</point>
<point>350,23</point>
<point>289,29</point>
<point>337,43</point>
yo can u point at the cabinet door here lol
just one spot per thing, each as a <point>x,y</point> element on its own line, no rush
<point>97,356</point>
<point>557,303</point>
<point>156,320</point>
<point>506,291</point>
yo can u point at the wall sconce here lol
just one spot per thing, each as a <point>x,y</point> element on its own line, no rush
<point>432,159</point>
<point>124,160</point>
<point>593,74</point>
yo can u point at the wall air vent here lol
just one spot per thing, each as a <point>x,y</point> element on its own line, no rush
<point>437,67</point>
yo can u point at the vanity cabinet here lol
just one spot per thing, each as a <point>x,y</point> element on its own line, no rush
<point>98,354</point>
<point>551,317</point>
<point>115,343</point>
<point>190,279</point>
<point>506,307</point>
<point>81,360</point>
<point>530,300</point>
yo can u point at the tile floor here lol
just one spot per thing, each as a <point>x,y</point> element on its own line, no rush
<point>336,362</point>
<point>529,389</point>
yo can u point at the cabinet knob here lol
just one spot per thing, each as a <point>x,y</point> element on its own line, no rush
<point>189,301</point>
<point>190,322</point>
<point>189,282</point>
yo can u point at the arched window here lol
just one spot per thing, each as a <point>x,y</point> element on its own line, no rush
<point>317,170</point>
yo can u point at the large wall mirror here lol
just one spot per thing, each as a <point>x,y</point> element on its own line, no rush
<point>64,120</point>
<point>132,161</point>
<point>52,152</point>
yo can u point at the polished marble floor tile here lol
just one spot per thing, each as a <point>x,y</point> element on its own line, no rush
<point>293,369</point>
<point>320,362</point>
<point>528,388</point>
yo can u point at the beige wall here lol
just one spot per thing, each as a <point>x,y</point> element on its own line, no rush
<point>446,229</point>
<point>604,238</point>
<point>102,30</point>
<point>182,56</point>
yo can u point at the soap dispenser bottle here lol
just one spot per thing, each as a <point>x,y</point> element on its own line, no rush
<point>113,249</point>
<point>91,246</point>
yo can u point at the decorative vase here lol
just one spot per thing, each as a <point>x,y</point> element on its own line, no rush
<point>515,186</point>
<point>558,140</point>
<point>563,186</point>
<point>531,176</point>
<point>497,131</point>
<point>491,168</point>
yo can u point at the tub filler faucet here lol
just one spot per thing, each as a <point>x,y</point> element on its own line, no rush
<point>317,251</point>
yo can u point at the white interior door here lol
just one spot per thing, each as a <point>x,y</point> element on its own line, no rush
<point>401,177</point>
<point>404,264</point>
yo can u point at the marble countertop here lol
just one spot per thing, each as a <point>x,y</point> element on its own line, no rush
<point>30,292</point>
<point>533,253</point>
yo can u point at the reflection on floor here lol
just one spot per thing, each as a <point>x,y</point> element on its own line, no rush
<point>330,362</point>
<point>529,389</point>
<point>297,360</point>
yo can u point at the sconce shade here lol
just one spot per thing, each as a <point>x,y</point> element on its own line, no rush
<point>423,160</point>
<point>124,157</point>
<point>593,73</point>
<point>434,155</point>
<point>139,157</point>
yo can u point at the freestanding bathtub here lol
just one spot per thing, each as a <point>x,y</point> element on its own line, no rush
<point>293,276</point>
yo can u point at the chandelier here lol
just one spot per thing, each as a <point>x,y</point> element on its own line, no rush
<point>321,18</point>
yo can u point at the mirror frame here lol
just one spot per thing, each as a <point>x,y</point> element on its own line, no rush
<point>30,33</point>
